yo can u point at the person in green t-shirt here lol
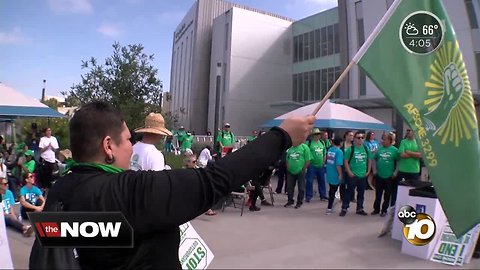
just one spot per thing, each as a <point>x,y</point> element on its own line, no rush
<point>180,134</point>
<point>357,163</point>
<point>298,159</point>
<point>187,142</point>
<point>409,163</point>
<point>29,165</point>
<point>326,140</point>
<point>316,169</point>
<point>385,170</point>
<point>225,139</point>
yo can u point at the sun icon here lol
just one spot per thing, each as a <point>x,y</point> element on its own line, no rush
<point>450,101</point>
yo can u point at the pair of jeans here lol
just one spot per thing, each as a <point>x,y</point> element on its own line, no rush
<point>382,186</point>
<point>292,180</point>
<point>319,174</point>
<point>14,223</point>
<point>331,195</point>
<point>353,183</point>
<point>282,175</point>
<point>400,176</point>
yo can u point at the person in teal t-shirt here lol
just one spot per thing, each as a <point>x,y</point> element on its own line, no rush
<point>409,163</point>
<point>298,159</point>
<point>334,171</point>
<point>316,169</point>
<point>31,198</point>
<point>386,158</point>
<point>357,162</point>
<point>9,214</point>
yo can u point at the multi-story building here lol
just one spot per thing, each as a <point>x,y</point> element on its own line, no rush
<point>244,66</point>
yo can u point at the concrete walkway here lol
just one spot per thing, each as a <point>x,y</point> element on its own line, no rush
<point>278,237</point>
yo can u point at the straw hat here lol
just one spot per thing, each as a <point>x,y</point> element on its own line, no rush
<point>66,153</point>
<point>154,123</point>
<point>316,131</point>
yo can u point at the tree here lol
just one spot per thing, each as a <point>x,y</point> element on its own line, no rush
<point>126,80</point>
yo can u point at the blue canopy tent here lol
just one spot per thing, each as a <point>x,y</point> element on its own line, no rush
<point>14,105</point>
<point>333,115</point>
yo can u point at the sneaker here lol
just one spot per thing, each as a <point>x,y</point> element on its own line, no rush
<point>383,214</point>
<point>288,204</point>
<point>298,205</point>
<point>28,231</point>
<point>375,213</point>
<point>343,213</point>
<point>254,208</point>
<point>307,200</point>
<point>362,213</point>
<point>325,199</point>
<point>329,211</point>
<point>265,203</point>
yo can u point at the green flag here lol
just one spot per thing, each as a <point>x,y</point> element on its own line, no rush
<point>413,57</point>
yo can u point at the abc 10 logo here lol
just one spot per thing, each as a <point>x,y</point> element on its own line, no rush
<point>419,228</point>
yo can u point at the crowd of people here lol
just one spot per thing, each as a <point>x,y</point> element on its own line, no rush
<point>296,152</point>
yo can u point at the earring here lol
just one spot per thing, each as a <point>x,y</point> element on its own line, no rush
<point>110,160</point>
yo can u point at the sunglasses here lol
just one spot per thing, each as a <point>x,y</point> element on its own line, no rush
<point>360,138</point>
<point>3,184</point>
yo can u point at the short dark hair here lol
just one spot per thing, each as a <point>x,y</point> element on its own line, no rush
<point>337,141</point>
<point>346,133</point>
<point>359,132</point>
<point>90,125</point>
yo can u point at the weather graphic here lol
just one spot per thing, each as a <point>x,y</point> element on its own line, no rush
<point>410,29</point>
<point>450,102</point>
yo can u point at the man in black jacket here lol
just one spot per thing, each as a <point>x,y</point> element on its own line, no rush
<point>153,202</point>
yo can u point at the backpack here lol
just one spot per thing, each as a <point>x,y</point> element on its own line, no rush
<point>353,149</point>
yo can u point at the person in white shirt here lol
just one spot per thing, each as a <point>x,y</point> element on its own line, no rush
<point>205,157</point>
<point>48,146</point>
<point>145,155</point>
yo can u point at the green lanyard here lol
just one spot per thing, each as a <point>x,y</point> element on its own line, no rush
<point>103,167</point>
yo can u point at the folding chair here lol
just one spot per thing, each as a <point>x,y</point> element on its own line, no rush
<point>242,195</point>
<point>268,185</point>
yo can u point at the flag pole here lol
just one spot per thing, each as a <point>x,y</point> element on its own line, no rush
<point>356,58</point>
<point>333,88</point>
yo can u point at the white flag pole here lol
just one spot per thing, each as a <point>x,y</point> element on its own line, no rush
<point>359,53</point>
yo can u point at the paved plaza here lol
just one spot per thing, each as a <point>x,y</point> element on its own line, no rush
<point>277,237</point>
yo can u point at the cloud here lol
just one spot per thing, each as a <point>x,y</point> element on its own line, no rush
<point>110,30</point>
<point>15,36</point>
<point>71,6</point>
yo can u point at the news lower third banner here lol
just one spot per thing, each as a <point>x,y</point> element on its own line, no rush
<point>82,229</point>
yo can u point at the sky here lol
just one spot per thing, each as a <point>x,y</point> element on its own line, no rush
<point>48,39</point>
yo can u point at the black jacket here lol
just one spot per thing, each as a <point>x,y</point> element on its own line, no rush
<point>156,202</point>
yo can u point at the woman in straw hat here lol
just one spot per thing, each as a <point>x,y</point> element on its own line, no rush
<point>145,155</point>
<point>154,202</point>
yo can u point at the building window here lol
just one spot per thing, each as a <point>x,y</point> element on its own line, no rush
<point>324,83</point>
<point>360,27</point>
<point>362,83</point>
<point>330,39</point>
<point>300,48</point>
<point>294,87</point>
<point>477,62</point>
<point>317,85</point>
<point>324,41</point>
<point>336,34</point>
<point>306,46</point>
<point>337,75</point>
<point>300,87</point>
<point>295,49</point>
<point>312,44</point>
<point>305,86</point>
<point>317,43</point>
<point>311,85</point>
<point>331,77</point>
<point>472,16</point>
